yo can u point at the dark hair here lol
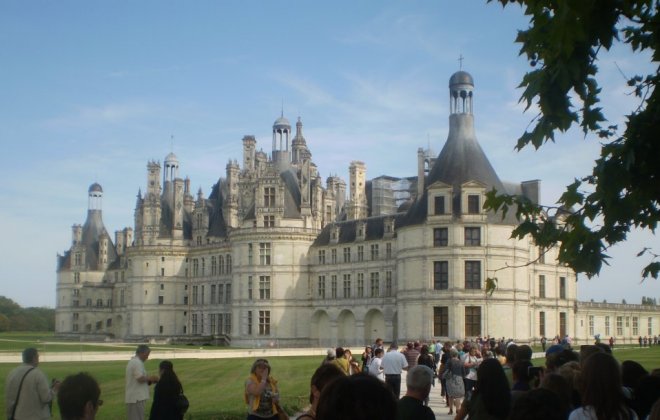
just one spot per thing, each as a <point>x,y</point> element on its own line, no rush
<point>520,370</point>
<point>523,352</point>
<point>356,397</point>
<point>424,349</point>
<point>563,389</point>
<point>339,352</point>
<point>75,392</point>
<point>556,360</point>
<point>378,351</point>
<point>142,348</point>
<point>511,354</point>
<point>538,404</point>
<point>646,393</point>
<point>260,362</point>
<point>493,388</point>
<point>631,373</point>
<point>325,374</point>
<point>29,354</point>
<point>169,383</point>
<point>601,386</point>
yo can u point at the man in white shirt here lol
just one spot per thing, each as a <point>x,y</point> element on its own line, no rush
<point>137,384</point>
<point>375,368</point>
<point>393,364</point>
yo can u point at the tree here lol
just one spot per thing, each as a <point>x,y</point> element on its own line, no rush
<point>623,190</point>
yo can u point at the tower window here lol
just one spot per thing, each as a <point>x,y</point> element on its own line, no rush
<point>269,197</point>
<point>473,204</point>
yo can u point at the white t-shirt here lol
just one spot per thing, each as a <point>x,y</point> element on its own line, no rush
<point>394,362</point>
<point>136,391</point>
<point>375,368</point>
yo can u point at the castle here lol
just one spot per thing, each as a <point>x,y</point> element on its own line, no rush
<point>274,255</point>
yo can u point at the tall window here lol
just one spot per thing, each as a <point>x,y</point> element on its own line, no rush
<point>472,236</point>
<point>202,300</point>
<point>269,221</point>
<point>591,325</point>
<point>360,253</point>
<point>321,256</point>
<point>562,324</point>
<point>194,323</point>
<point>635,325</point>
<point>213,288</point>
<point>374,252</point>
<point>221,291</point>
<point>388,283</point>
<point>375,284</point>
<point>440,321</point>
<point>76,277</point>
<point>360,285</point>
<point>650,326</point>
<point>249,287</point>
<point>388,250</point>
<point>347,286</point>
<point>264,253</point>
<point>195,267</point>
<point>194,295</point>
<point>473,274</point>
<point>249,322</point>
<point>228,323</point>
<point>269,197</point>
<point>440,237</point>
<point>473,204</point>
<point>333,256</point>
<point>472,321</point>
<point>228,293</point>
<point>541,286</point>
<point>322,287</point>
<point>542,323</point>
<point>441,275</point>
<point>212,323</point>
<point>264,287</point>
<point>607,325</point>
<point>562,287</point>
<point>264,322</point>
<point>439,204</point>
<point>347,255</point>
<point>228,264</point>
<point>619,325</point>
<point>333,286</point>
<point>221,261</point>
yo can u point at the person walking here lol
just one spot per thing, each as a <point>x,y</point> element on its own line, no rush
<point>137,384</point>
<point>393,364</point>
<point>27,392</point>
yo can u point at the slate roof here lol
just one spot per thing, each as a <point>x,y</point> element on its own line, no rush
<point>375,229</point>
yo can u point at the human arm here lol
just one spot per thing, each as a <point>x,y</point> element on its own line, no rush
<point>256,388</point>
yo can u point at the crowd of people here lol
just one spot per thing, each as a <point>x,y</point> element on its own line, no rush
<point>29,395</point>
<point>478,379</point>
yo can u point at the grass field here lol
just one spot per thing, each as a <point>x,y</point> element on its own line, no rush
<point>215,387</point>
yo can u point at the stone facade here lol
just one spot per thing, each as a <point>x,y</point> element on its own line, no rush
<point>273,256</point>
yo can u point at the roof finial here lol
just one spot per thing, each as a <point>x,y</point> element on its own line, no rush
<point>460,61</point>
<point>172,143</point>
<point>282,113</point>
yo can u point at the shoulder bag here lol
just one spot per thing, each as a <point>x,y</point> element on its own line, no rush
<point>13,410</point>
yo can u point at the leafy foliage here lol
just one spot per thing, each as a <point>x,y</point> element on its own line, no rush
<point>15,318</point>
<point>623,190</point>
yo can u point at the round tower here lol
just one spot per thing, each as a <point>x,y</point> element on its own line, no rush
<point>461,86</point>
<point>171,168</point>
<point>95,197</point>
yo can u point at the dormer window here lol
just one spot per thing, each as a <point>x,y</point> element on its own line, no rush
<point>269,197</point>
<point>474,206</point>
<point>439,205</point>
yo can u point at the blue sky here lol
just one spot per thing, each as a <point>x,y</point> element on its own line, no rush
<point>91,91</point>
